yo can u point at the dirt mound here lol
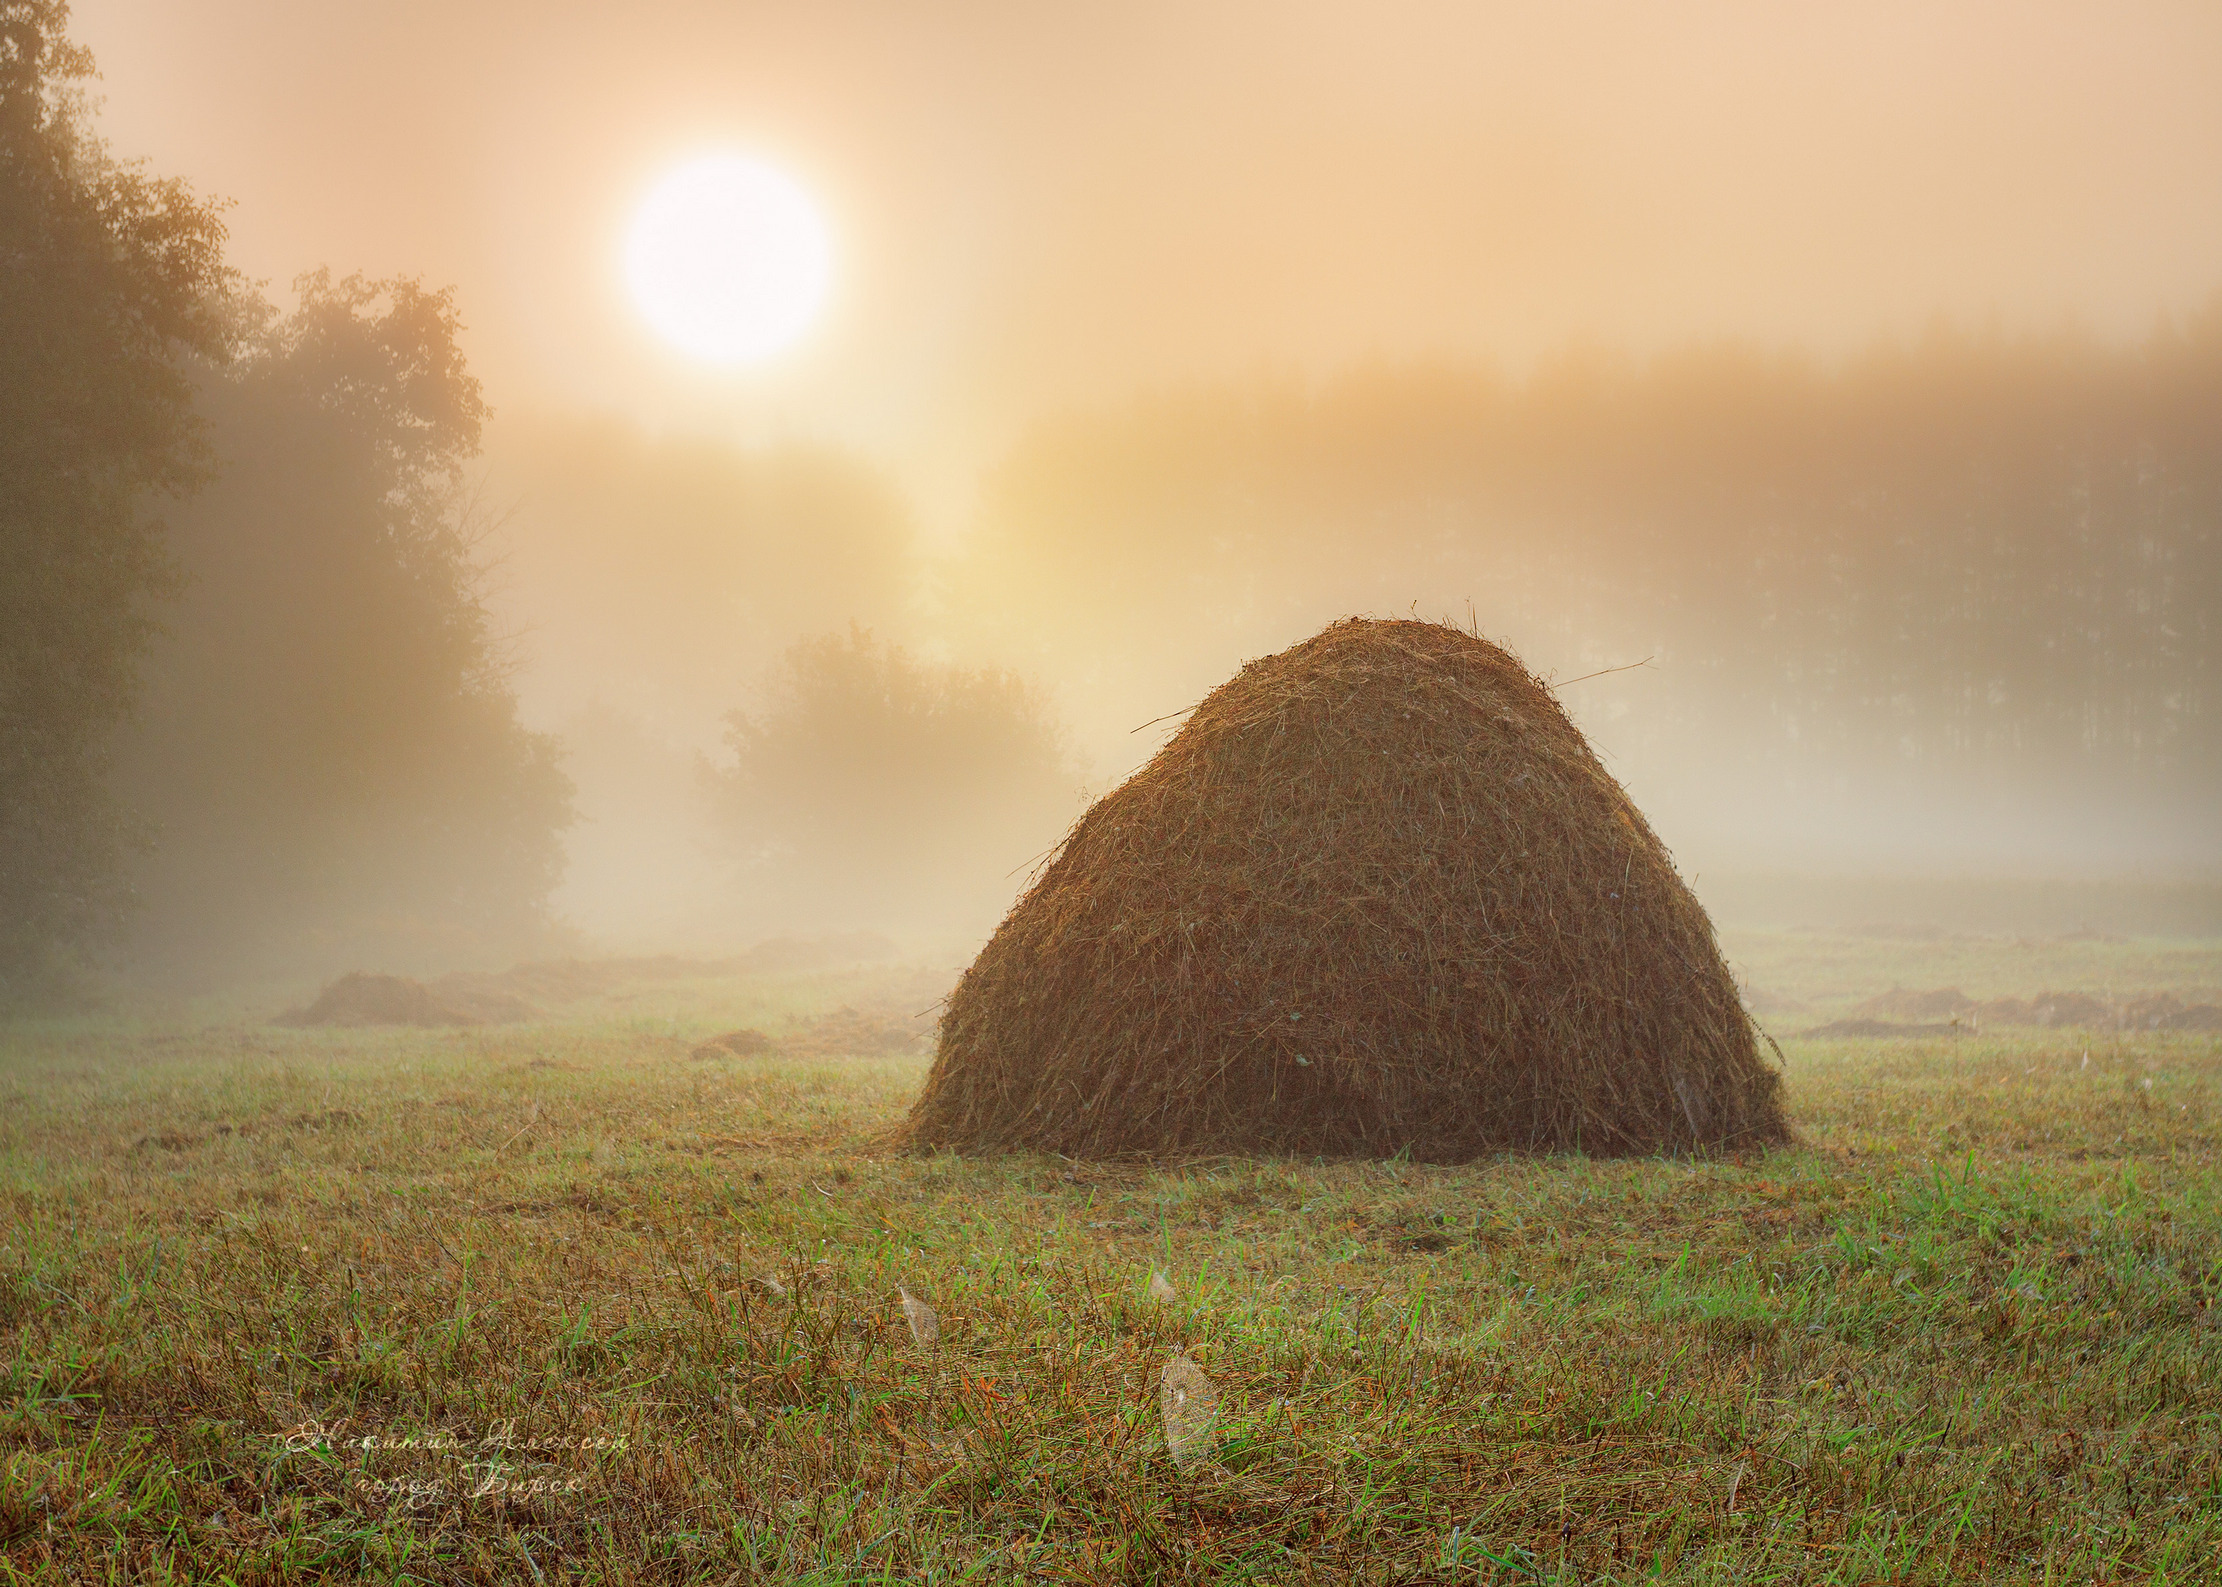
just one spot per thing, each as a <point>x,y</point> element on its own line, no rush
<point>361,998</point>
<point>736,1044</point>
<point>1900,1004</point>
<point>569,980</point>
<point>2045,1009</point>
<point>878,1029</point>
<point>2164,1011</point>
<point>859,1033</point>
<point>2054,1009</point>
<point>786,955</point>
<point>1376,895</point>
<point>2160,1011</point>
<point>1881,1029</point>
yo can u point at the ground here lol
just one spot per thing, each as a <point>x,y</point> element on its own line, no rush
<point>566,1301</point>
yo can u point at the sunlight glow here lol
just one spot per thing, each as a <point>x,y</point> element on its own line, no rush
<point>729,259</point>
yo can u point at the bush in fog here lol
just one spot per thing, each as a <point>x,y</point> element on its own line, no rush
<point>330,748</point>
<point>875,787</point>
<point>112,283</point>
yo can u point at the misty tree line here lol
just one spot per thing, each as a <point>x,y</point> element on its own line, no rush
<point>1973,552</point>
<point>254,713</point>
<point>326,742</point>
<point>248,690</point>
<point>253,710</point>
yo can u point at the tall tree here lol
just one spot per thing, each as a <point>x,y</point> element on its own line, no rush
<point>111,283</point>
<point>330,745</point>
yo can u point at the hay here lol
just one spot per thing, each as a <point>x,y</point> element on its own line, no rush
<point>785,955</point>
<point>2158,1011</point>
<point>1945,1002</point>
<point>2164,1011</point>
<point>858,1033</point>
<point>361,998</point>
<point>1881,1030</point>
<point>573,980</point>
<point>843,1033</point>
<point>1375,896</point>
<point>735,1044</point>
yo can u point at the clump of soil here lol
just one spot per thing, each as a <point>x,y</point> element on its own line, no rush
<point>569,980</point>
<point>1884,1029</point>
<point>2163,1011</point>
<point>785,955</point>
<point>736,1044</point>
<point>844,1033</point>
<point>859,1033</point>
<point>469,997</point>
<point>362,998</point>
<point>1376,895</point>
<point>2051,1010</point>
<point>1900,1004</point>
<point>2157,1011</point>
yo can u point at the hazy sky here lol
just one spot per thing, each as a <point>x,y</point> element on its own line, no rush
<point>1037,204</point>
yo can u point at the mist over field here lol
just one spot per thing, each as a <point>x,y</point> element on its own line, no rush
<point>1829,406</point>
<point>1942,609</point>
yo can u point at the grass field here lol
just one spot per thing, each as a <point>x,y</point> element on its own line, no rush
<point>492,1305</point>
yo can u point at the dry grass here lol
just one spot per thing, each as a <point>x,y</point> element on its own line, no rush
<point>1375,897</point>
<point>1966,1329</point>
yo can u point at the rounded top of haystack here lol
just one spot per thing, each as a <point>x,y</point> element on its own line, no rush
<point>1403,683</point>
<point>1376,894</point>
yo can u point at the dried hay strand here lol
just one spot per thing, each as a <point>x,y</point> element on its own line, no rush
<point>1376,895</point>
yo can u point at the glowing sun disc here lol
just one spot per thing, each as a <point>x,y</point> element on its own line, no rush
<point>728,259</point>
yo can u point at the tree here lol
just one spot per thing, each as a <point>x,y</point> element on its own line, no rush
<point>330,744</point>
<point>878,789</point>
<point>112,284</point>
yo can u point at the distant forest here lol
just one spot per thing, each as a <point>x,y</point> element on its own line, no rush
<point>1972,556</point>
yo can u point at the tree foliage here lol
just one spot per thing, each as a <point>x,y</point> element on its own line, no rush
<point>330,745</point>
<point>877,788</point>
<point>112,285</point>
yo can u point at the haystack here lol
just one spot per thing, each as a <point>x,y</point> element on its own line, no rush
<point>364,998</point>
<point>1377,895</point>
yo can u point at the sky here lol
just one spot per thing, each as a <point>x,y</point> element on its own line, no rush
<point>1036,207</point>
<point>1038,210</point>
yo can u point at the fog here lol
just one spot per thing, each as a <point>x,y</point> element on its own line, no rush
<point>1040,205</point>
<point>1829,398</point>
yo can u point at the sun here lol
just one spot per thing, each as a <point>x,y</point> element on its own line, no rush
<point>729,259</point>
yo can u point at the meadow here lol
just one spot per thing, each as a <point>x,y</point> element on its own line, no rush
<point>574,1301</point>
